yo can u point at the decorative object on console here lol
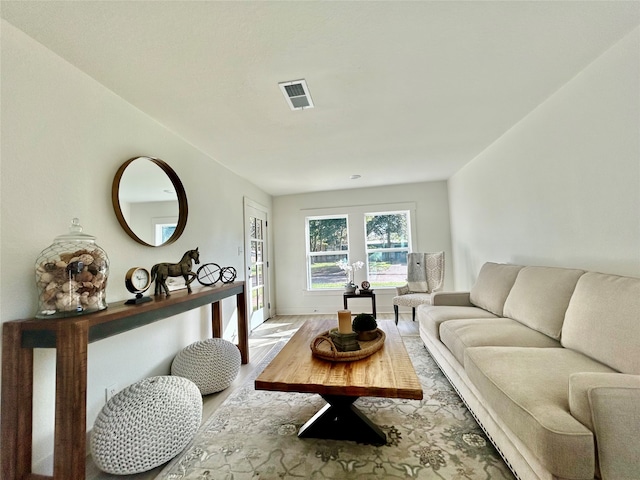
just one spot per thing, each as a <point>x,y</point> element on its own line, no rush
<point>365,287</point>
<point>228,274</point>
<point>161,271</point>
<point>365,325</point>
<point>137,280</point>
<point>71,275</point>
<point>208,274</point>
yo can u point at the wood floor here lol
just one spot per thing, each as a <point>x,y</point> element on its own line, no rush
<point>261,341</point>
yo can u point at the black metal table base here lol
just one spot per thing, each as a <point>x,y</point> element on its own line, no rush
<point>341,420</point>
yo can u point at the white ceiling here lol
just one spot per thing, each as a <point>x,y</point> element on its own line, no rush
<point>405,91</point>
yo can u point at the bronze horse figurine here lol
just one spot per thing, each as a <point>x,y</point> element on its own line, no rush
<point>161,271</point>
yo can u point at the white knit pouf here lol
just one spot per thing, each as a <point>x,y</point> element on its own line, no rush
<point>146,425</point>
<point>211,364</point>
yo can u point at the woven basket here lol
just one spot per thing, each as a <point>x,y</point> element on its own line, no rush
<point>323,347</point>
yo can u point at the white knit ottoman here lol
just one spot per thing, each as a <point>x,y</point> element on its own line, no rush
<point>212,364</point>
<point>146,425</point>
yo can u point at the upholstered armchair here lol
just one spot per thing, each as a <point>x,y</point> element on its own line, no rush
<point>425,275</point>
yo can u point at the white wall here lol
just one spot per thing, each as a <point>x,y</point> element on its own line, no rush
<point>63,138</point>
<point>562,187</point>
<point>289,212</point>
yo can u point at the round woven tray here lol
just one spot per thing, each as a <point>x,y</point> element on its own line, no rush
<point>323,347</point>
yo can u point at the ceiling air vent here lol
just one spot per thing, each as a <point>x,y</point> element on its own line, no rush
<point>297,94</point>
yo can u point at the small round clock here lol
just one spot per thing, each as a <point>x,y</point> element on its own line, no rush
<point>137,280</point>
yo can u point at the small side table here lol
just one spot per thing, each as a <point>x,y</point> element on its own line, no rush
<point>346,296</point>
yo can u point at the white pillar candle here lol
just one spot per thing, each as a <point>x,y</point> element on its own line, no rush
<point>344,321</point>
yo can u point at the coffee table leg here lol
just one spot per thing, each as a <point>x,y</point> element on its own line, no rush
<point>341,420</point>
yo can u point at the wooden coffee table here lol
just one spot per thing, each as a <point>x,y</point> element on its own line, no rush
<point>387,373</point>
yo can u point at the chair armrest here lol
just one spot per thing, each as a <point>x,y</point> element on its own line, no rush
<point>457,299</point>
<point>403,290</point>
<point>615,414</point>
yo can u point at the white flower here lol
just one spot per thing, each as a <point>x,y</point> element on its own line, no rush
<point>350,268</point>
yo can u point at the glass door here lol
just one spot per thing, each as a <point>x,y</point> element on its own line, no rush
<point>256,261</point>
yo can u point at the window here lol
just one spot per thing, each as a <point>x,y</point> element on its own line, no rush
<point>387,244</point>
<point>327,244</point>
<point>379,235</point>
<point>164,232</point>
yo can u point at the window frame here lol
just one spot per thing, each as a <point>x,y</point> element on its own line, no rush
<point>407,212</point>
<point>310,254</point>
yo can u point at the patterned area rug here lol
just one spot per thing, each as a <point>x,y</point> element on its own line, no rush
<point>253,435</point>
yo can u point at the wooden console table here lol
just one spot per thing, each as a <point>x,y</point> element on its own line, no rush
<point>70,337</point>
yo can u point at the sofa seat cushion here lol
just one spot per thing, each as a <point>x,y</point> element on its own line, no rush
<point>540,297</point>
<point>458,335</point>
<point>529,387</point>
<point>431,317</point>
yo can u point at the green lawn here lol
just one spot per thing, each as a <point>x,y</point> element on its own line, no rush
<point>331,270</point>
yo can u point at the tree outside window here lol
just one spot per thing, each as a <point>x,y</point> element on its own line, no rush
<point>388,242</point>
<point>327,244</point>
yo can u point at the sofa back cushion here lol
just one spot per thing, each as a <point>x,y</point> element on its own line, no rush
<point>493,285</point>
<point>540,297</point>
<point>603,321</point>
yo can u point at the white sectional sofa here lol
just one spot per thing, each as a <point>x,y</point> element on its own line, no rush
<point>548,361</point>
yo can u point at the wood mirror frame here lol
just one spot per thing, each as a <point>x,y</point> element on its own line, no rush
<point>183,209</point>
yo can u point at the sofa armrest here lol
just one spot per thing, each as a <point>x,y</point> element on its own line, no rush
<point>581,383</point>
<point>457,299</point>
<point>616,420</point>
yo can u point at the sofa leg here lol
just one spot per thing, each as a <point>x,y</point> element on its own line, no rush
<point>395,311</point>
<point>413,314</point>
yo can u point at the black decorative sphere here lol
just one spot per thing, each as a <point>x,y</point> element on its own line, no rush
<point>228,274</point>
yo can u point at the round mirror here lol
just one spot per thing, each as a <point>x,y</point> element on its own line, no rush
<point>149,201</point>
